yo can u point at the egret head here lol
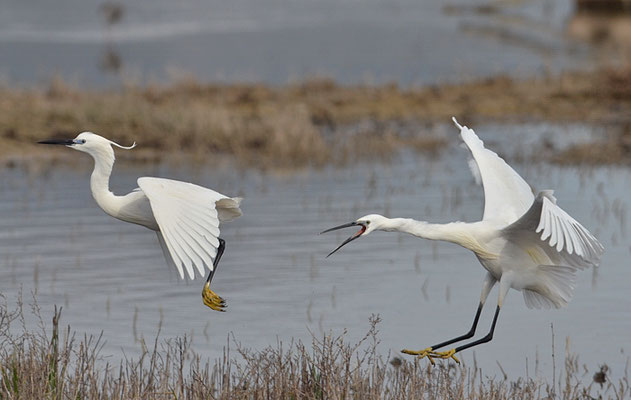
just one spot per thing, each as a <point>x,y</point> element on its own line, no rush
<point>366,225</point>
<point>87,142</point>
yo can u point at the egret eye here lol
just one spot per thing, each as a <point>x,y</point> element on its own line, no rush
<point>82,141</point>
<point>367,222</point>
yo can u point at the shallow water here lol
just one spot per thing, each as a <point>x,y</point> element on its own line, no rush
<point>274,41</point>
<point>111,277</point>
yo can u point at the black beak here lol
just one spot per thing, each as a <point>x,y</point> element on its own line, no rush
<point>350,239</point>
<point>64,142</point>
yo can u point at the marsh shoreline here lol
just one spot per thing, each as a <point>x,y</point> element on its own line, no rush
<point>313,123</point>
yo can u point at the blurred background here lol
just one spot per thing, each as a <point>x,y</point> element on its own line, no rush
<point>317,112</point>
<point>101,44</point>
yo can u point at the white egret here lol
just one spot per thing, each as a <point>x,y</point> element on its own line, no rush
<point>525,242</point>
<point>185,216</point>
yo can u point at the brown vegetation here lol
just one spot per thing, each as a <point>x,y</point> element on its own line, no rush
<point>60,365</point>
<point>310,123</point>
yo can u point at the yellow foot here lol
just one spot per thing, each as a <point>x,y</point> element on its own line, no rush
<point>445,355</point>
<point>212,299</point>
<point>420,353</point>
<point>431,354</point>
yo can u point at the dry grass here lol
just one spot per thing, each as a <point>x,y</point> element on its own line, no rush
<point>59,365</point>
<point>257,125</point>
<point>310,123</point>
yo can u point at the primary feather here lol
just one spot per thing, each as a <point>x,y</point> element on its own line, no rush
<point>506,195</point>
<point>573,243</point>
<point>188,216</point>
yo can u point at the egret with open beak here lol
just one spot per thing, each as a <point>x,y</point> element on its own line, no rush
<point>366,225</point>
<point>524,241</point>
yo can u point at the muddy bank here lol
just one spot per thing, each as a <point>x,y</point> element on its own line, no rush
<point>312,123</point>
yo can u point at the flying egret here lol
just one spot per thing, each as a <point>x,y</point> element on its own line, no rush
<point>525,242</point>
<point>185,216</point>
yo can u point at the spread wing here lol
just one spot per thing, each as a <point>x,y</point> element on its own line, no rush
<point>188,219</point>
<point>506,195</point>
<point>576,245</point>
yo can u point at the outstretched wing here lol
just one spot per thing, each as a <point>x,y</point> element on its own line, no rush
<point>188,219</point>
<point>576,245</point>
<point>506,195</point>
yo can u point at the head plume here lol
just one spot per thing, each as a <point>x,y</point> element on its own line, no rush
<point>122,147</point>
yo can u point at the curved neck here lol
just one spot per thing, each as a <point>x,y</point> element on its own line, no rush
<point>100,180</point>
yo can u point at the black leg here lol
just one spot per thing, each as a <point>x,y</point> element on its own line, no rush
<point>430,352</point>
<point>466,335</point>
<point>485,339</point>
<point>210,298</point>
<point>220,250</point>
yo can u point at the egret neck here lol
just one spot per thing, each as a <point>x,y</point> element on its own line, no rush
<point>461,233</point>
<point>100,180</point>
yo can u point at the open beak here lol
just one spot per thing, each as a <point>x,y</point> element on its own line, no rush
<point>350,239</point>
<point>64,142</point>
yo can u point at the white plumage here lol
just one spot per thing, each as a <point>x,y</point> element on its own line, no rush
<point>185,216</point>
<point>506,195</point>
<point>524,242</point>
<point>188,217</point>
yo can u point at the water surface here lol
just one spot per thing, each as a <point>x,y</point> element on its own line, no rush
<point>275,41</point>
<point>110,276</point>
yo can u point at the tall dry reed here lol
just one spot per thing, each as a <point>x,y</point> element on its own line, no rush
<point>38,364</point>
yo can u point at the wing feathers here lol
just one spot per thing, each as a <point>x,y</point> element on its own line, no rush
<point>192,249</point>
<point>583,243</point>
<point>166,251</point>
<point>567,227</point>
<point>210,225</point>
<point>179,256</point>
<point>575,244</point>
<point>204,233</point>
<point>198,243</point>
<point>188,218</point>
<point>506,195</point>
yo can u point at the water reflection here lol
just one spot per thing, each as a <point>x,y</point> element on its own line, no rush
<point>111,60</point>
